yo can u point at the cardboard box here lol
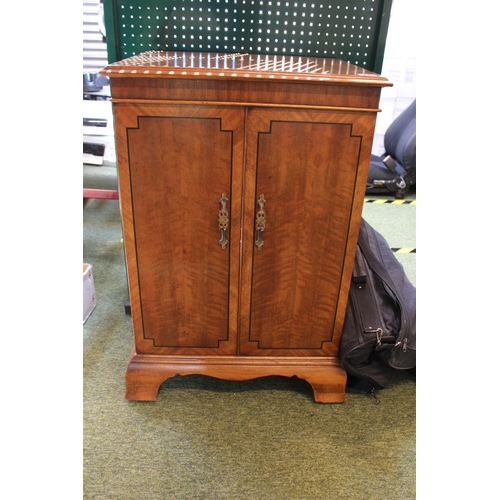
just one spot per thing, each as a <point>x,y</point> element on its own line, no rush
<point>89,298</point>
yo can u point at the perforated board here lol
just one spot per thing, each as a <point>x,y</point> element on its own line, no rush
<point>352,30</point>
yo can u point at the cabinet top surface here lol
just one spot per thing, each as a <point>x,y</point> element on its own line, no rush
<point>212,65</point>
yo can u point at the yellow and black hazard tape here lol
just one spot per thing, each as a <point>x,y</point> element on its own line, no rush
<point>377,201</point>
<point>404,250</point>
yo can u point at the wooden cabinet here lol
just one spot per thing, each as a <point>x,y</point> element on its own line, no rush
<point>241,192</point>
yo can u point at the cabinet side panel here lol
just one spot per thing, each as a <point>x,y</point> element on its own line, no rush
<point>179,168</point>
<point>306,171</point>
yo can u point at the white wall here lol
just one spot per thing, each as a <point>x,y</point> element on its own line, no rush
<point>399,67</point>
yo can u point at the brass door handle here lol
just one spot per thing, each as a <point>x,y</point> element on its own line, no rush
<point>260,222</point>
<point>223,221</point>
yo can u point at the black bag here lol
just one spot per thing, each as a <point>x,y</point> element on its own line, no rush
<point>380,325</point>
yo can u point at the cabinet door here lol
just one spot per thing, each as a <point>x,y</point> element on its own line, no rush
<point>305,179</point>
<point>180,177</point>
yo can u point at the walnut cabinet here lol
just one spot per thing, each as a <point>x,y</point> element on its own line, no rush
<point>242,181</point>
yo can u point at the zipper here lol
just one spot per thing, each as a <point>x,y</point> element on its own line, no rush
<point>361,328</point>
<point>374,396</point>
<point>402,338</point>
<point>378,334</point>
<point>375,301</point>
<point>369,287</point>
<point>391,291</point>
<point>403,315</point>
<point>404,343</point>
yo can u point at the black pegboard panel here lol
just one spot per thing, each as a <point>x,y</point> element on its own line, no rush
<point>352,30</point>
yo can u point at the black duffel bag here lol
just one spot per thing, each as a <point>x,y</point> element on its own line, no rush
<point>379,332</point>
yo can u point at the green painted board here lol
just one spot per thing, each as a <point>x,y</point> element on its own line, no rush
<point>352,30</point>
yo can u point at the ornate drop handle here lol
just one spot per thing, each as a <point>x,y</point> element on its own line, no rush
<point>260,221</point>
<point>223,221</point>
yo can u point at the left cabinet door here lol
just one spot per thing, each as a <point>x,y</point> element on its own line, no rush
<point>180,169</point>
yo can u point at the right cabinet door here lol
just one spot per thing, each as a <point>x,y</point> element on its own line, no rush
<point>302,183</point>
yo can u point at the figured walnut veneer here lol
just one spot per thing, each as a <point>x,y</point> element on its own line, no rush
<point>281,149</point>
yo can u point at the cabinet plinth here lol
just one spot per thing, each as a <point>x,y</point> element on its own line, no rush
<point>241,188</point>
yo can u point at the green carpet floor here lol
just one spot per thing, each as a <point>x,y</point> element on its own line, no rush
<point>211,439</point>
